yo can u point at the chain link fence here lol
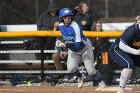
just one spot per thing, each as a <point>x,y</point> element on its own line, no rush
<point>21,61</point>
<point>21,56</point>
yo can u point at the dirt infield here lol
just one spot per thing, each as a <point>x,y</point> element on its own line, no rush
<point>57,90</point>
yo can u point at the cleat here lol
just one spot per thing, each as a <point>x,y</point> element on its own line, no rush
<point>101,86</point>
<point>80,81</point>
<point>120,90</point>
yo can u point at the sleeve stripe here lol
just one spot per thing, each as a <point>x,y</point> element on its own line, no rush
<point>77,31</point>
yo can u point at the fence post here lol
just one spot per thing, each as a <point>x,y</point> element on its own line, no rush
<point>42,65</point>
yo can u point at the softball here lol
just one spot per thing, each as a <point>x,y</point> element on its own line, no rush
<point>28,84</point>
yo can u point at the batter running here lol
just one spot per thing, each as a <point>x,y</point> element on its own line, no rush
<point>80,48</point>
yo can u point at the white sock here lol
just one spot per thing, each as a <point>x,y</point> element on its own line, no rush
<point>125,76</point>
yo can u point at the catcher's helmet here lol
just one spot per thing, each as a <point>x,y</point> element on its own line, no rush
<point>65,12</point>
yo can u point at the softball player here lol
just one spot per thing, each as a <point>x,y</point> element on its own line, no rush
<point>79,46</point>
<point>125,51</point>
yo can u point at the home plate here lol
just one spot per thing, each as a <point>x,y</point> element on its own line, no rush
<point>112,89</point>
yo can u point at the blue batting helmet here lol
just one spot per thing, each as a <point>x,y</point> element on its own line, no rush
<point>65,12</point>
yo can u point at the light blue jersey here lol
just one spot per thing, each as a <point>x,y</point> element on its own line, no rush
<point>73,34</point>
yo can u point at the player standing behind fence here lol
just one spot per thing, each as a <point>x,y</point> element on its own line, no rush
<point>125,51</point>
<point>101,45</point>
<point>79,47</point>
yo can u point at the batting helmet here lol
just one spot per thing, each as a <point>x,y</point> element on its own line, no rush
<point>65,12</point>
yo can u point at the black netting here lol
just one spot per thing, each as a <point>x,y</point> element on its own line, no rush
<point>21,56</point>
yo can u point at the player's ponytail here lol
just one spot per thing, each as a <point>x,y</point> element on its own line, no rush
<point>136,24</point>
<point>137,20</point>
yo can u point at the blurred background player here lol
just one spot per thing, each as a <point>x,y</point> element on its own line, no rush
<point>125,51</point>
<point>79,47</point>
<point>85,16</point>
<point>101,46</point>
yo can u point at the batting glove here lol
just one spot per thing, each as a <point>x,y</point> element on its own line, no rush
<point>59,43</point>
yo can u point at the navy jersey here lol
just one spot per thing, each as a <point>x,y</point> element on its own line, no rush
<point>131,37</point>
<point>73,34</point>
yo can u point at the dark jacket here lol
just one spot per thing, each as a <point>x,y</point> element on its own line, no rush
<point>46,22</point>
<point>90,17</point>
